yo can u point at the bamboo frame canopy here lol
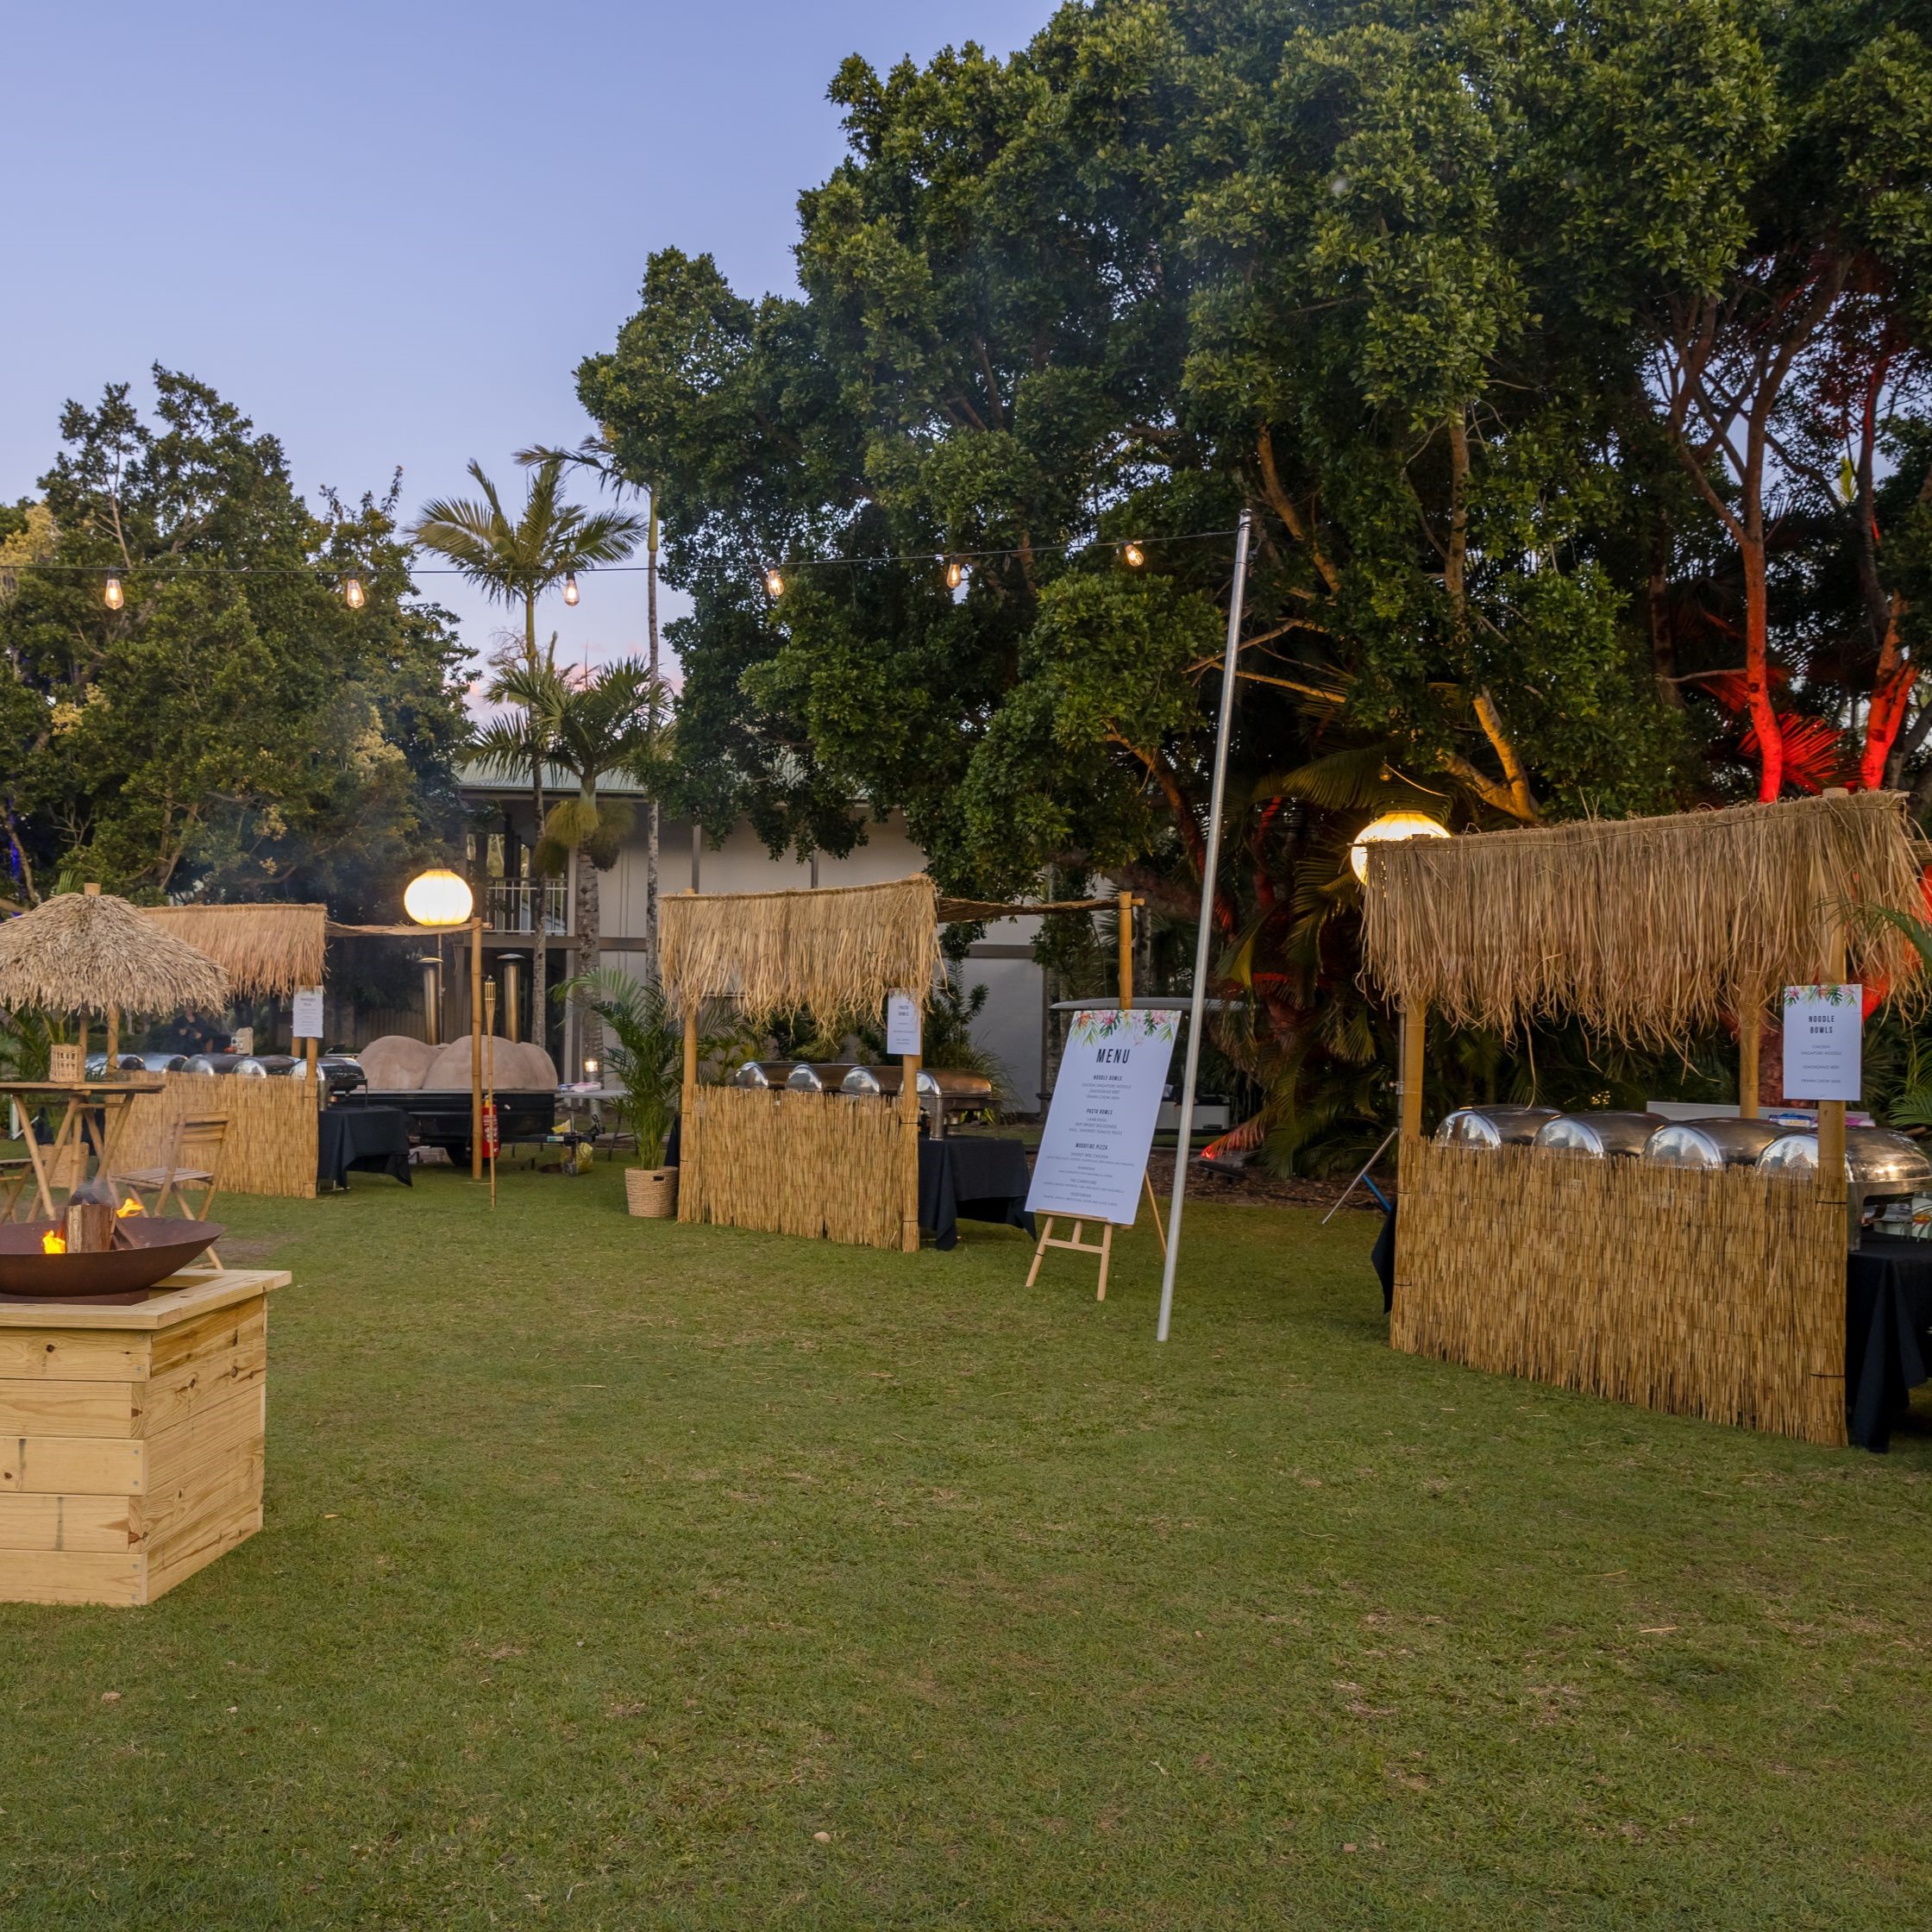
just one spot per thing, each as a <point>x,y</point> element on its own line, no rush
<point>1648,930</point>
<point>90,952</point>
<point>832,952</point>
<point>267,951</point>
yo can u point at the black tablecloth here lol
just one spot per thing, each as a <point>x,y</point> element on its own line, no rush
<point>973,1179</point>
<point>372,1139</point>
<point>1888,1332</point>
<point>1888,1326</point>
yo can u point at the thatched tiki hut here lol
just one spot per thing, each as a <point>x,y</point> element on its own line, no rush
<point>1719,1293</point>
<point>833,1166</point>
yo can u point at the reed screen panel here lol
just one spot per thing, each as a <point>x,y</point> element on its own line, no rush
<point>1718,1294</point>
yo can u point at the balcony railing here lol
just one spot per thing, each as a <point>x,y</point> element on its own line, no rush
<point>511,907</point>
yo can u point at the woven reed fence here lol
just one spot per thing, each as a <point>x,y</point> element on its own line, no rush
<point>270,1144</point>
<point>1718,1294</point>
<point>832,1167</point>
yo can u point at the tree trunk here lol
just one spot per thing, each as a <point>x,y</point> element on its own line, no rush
<point>1757,665</point>
<point>1663,631</point>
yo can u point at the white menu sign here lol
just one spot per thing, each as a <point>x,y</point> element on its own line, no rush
<point>902,1024</point>
<point>1824,1038</point>
<point>307,1023</point>
<point>1101,1123</point>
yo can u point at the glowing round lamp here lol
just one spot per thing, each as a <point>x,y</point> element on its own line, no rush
<point>1395,825</point>
<point>438,898</point>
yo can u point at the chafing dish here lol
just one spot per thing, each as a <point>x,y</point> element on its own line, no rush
<point>763,1073</point>
<point>1722,1143</point>
<point>942,1090</point>
<point>1599,1135</point>
<point>819,1077</point>
<point>1493,1127</point>
<point>1876,1159</point>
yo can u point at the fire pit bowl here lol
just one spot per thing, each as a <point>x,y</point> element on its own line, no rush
<point>153,1249</point>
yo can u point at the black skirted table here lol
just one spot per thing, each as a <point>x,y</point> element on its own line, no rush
<point>368,1140</point>
<point>969,1178</point>
<point>1888,1326</point>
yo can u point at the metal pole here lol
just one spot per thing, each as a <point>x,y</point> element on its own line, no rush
<point>1204,939</point>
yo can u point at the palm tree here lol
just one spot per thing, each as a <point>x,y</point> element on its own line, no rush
<point>514,563</point>
<point>591,728</point>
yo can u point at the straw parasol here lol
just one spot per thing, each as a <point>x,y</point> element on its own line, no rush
<point>87,952</point>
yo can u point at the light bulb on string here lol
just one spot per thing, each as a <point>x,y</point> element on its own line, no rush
<point>352,592</point>
<point>774,583</point>
<point>570,586</point>
<point>955,573</point>
<point>111,595</point>
<point>1132,555</point>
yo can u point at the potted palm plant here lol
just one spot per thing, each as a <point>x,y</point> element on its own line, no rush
<point>647,1059</point>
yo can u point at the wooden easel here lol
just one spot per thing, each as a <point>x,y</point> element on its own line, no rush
<point>1104,1248</point>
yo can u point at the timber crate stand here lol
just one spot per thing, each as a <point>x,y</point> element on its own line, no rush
<point>131,1438</point>
<point>1719,1295</point>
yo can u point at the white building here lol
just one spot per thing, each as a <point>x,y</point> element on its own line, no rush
<point>1012,1026</point>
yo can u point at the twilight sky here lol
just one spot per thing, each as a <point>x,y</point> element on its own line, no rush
<point>388,231</point>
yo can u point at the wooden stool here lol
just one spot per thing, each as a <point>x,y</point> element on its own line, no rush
<point>189,1177</point>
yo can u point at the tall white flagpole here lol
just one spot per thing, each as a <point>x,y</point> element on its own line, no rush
<point>1204,941</point>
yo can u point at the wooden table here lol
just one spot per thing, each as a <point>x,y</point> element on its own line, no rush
<point>76,1128</point>
<point>131,1438</point>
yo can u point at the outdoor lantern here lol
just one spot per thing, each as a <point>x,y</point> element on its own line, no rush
<point>352,592</point>
<point>1396,825</point>
<point>775,584</point>
<point>438,898</point>
<point>956,574</point>
<point>570,586</point>
<point>1133,556</point>
<point>111,595</point>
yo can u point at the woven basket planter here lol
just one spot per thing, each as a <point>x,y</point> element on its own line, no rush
<point>652,1192</point>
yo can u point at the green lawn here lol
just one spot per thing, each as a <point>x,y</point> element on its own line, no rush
<point>623,1575</point>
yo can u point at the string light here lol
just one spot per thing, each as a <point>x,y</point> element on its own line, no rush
<point>1132,555</point>
<point>570,586</point>
<point>955,573</point>
<point>352,592</point>
<point>775,584</point>
<point>111,595</point>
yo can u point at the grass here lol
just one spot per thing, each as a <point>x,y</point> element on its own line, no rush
<point>625,1575</point>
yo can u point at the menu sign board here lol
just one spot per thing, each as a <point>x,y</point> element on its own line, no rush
<point>902,1024</point>
<point>1101,1123</point>
<point>307,1023</point>
<point>1824,1038</point>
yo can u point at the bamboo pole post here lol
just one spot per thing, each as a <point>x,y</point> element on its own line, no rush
<point>1750,1037</point>
<point>1409,1086</point>
<point>1831,1114</point>
<point>113,1037</point>
<point>909,1128</point>
<point>490,1081</point>
<point>476,1049</point>
<point>1127,904</point>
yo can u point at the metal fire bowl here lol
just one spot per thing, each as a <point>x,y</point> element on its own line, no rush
<point>121,1277</point>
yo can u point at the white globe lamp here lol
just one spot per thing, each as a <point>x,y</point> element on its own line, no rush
<point>1391,826</point>
<point>438,898</point>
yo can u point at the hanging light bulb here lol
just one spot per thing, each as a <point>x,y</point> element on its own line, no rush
<point>111,595</point>
<point>775,584</point>
<point>570,586</point>
<point>956,574</point>
<point>1132,555</point>
<point>352,592</point>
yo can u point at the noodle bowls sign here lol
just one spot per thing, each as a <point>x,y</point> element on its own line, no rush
<point>1101,1123</point>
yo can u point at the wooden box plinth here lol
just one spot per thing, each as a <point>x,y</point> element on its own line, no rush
<point>131,1438</point>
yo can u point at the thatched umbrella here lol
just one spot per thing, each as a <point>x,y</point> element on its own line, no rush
<point>87,952</point>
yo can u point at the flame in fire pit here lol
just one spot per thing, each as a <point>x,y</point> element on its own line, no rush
<point>53,1242</point>
<point>130,1206</point>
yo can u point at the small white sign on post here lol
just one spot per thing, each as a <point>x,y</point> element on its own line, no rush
<point>1099,1126</point>
<point>902,1024</point>
<point>307,1025</point>
<point>1824,1040</point>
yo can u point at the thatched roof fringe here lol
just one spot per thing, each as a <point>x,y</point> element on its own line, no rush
<point>1648,930</point>
<point>90,952</point>
<point>834,952</point>
<point>267,951</point>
